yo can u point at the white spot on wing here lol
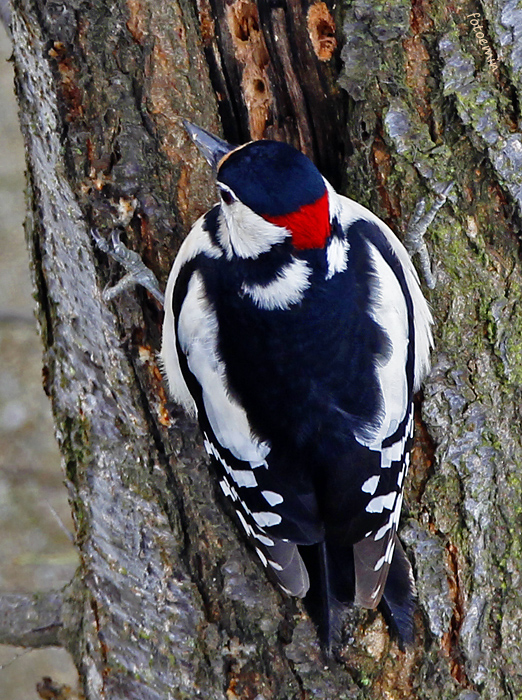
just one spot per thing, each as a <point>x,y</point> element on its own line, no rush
<point>379,503</point>
<point>259,463</point>
<point>387,556</point>
<point>379,564</point>
<point>397,511</point>
<point>370,485</point>
<point>246,526</point>
<point>286,289</point>
<point>383,530</point>
<point>410,428</point>
<point>272,498</point>
<point>261,555</point>
<point>225,487</point>
<point>243,478</point>
<point>393,453</point>
<point>267,541</point>
<point>266,519</point>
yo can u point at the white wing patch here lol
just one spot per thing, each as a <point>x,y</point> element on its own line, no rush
<point>197,241</point>
<point>197,334</point>
<point>388,309</point>
<point>286,289</point>
<point>347,211</point>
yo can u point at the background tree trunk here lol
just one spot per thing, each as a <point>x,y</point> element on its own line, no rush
<point>392,101</point>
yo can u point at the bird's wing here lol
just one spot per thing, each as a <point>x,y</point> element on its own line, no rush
<point>243,461</point>
<point>350,212</point>
<point>373,554</point>
<point>394,306</point>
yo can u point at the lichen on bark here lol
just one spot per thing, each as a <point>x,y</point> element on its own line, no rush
<point>452,119</point>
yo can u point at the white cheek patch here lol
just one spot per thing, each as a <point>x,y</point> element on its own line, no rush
<point>244,233</point>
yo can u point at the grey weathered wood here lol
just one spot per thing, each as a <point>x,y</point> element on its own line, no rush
<point>167,602</point>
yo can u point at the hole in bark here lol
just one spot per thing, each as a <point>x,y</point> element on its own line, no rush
<point>321,28</point>
<point>251,52</point>
<point>245,21</point>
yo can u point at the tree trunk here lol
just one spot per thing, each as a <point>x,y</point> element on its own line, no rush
<point>392,102</point>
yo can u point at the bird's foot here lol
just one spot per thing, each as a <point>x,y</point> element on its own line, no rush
<point>417,227</point>
<point>137,271</point>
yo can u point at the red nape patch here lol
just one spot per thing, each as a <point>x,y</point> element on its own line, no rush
<point>310,224</point>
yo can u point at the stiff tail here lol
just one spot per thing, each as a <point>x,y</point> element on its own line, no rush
<point>332,579</point>
<point>398,601</point>
<point>321,601</point>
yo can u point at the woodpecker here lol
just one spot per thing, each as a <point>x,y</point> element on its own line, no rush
<point>297,333</point>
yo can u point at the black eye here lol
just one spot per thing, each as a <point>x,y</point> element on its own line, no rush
<point>226,196</point>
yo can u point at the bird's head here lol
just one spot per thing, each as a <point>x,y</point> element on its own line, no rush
<point>270,192</point>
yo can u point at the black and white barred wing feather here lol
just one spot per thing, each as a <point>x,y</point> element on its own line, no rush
<point>197,380</point>
<point>398,307</point>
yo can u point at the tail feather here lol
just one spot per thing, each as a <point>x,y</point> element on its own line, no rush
<point>321,601</point>
<point>331,606</point>
<point>398,601</point>
<point>332,585</point>
<point>288,567</point>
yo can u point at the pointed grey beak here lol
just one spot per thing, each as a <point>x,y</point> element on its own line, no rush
<point>212,147</point>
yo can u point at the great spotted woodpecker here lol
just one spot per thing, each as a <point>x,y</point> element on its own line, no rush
<point>295,330</point>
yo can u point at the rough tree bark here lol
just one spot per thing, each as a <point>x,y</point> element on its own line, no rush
<point>392,101</point>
